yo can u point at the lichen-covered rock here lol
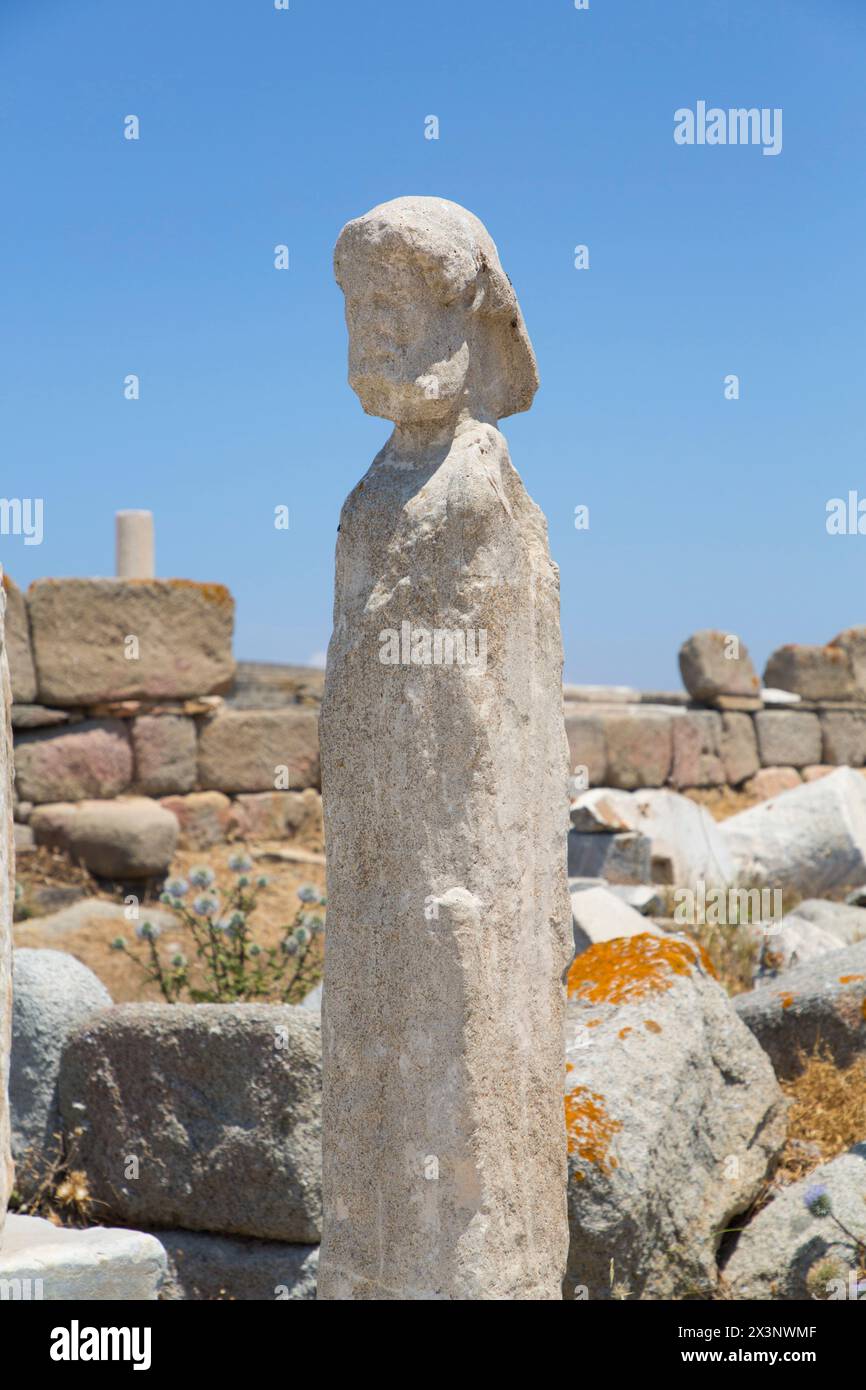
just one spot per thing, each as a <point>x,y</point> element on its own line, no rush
<point>260,750</point>
<point>673,1118</point>
<point>93,759</point>
<point>821,1002</point>
<point>220,1105</point>
<point>53,994</point>
<point>118,639</point>
<point>795,1247</point>
<point>815,673</point>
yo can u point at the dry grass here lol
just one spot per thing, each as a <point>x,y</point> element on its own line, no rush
<point>827,1115</point>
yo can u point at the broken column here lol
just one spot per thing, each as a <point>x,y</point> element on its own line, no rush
<point>135,548</point>
<point>6,875</point>
<point>445,773</point>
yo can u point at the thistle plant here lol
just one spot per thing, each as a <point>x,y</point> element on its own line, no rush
<point>229,966</point>
<point>816,1200</point>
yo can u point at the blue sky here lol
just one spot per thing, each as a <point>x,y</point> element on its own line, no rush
<point>261,127</point>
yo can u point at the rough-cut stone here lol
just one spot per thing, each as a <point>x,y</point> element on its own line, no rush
<point>673,1118</point>
<point>811,839</point>
<point>853,643</point>
<point>61,1264</point>
<point>814,928</point>
<point>639,747</point>
<point>815,673</point>
<point>22,673</point>
<point>788,1252</point>
<point>816,771</point>
<point>600,915</point>
<point>445,787</point>
<point>268,685</point>
<point>54,929</point>
<point>7,870</point>
<point>686,845</point>
<point>738,748</point>
<point>260,750</point>
<point>587,747</point>
<point>236,1268</point>
<point>278,815</point>
<point>822,1001</point>
<point>204,818</point>
<point>697,737</point>
<point>844,737</point>
<point>625,858</point>
<point>595,812</point>
<point>788,738</point>
<point>772,781</point>
<point>717,663</point>
<point>132,837</point>
<point>39,717</point>
<point>53,993</point>
<point>82,629</point>
<point>220,1103</point>
<point>93,759</point>
<point>164,747</point>
<point>24,839</point>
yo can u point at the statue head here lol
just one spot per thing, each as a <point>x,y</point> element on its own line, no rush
<point>434,323</point>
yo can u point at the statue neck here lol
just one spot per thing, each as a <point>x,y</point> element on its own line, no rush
<point>417,441</point>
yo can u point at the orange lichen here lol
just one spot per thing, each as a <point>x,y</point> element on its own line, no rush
<point>589,1128</point>
<point>849,979</point>
<point>628,968</point>
<point>787,1000</point>
<point>623,1032</point>
<point>651,1025</point>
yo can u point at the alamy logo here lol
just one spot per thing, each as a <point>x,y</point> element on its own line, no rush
<point>22,516</point>
<point>737,126</point>
<point>76,1343</point>
<point>436,646</point>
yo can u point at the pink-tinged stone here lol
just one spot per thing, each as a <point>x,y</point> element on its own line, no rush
<point>204,818</point>
<point>260,750</point>
<point>277,815</point>
<point>770,781</point>
<point>93,759</point>
<point>119,639</point>
<point>817,771</point>
<point>696,741</point>
<point>19,655</point>
<point>165,754</point>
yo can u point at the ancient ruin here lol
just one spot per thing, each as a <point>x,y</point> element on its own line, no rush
<point>443,780</point>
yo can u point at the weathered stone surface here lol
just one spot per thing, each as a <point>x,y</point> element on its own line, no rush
<point>204,818</point>
<point>80,629</point>
<point>595,812</point>
<point>601,694</point>
<point>639,747</point>
<point>587,747</point>
<point>93,759</point>
<point>788,738</point>
<point>738,748</point>
<point>814,928</point>
<point>60,1264</point>
<point>219,1102</point>
<point>54,929</point>
<point>811,839</point>
<point>268,685</point>
<point>686,845</point>
<point>717,663</point>
<point>260,750</point>
<point>772,781</point>
<point>823,1000</point>
<point>816,771</point>
<point>673,1118</point>
<point>445,791</point>
<point>22,674</point>
<point>625,858</point>
<point>236,1268</point>
<point>164,747</point>
<point>7,870</point>
<point>24,839</point>
<point>844,737</point>
<point>132,837</point>
<point>788,1253</point>
<point>39,717</point>
<point>53,993</point>
<point>697,738</point>
<point>278,815</point>
<point>816,673</point>
<point>599,915</point>
<point>853,643</point>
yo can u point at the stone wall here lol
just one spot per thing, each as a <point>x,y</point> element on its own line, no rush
<point>128,688</point>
